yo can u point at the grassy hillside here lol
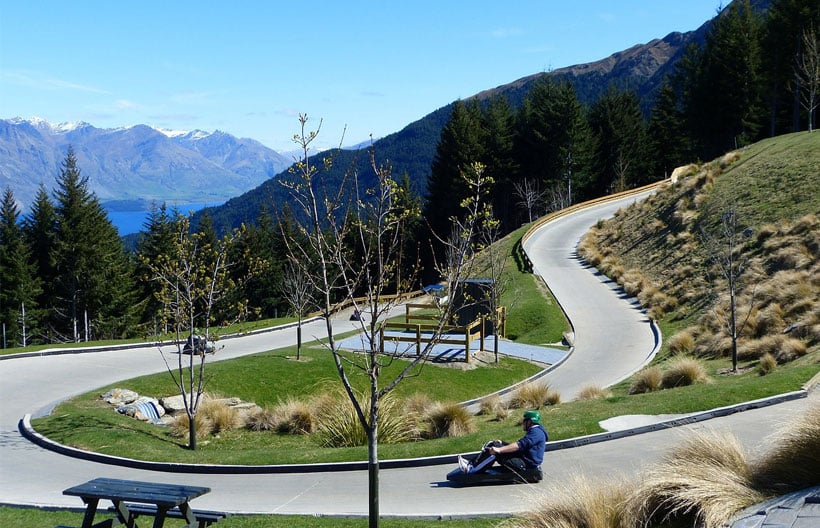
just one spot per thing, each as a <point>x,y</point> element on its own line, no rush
<point>665,251</point>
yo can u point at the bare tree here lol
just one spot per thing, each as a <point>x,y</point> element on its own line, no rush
<point>297,290</point>
<point>808,73</point>
<point>353,237</point>
<point>725,243</point>
<point>193,279</point>
<point>529,197</point>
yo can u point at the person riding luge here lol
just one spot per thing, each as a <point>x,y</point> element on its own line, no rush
<point>523,457</point>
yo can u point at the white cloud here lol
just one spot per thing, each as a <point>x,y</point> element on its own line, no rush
<point>44,82</point>
<point>506,32</point>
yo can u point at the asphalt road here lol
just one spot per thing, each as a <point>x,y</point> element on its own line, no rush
<point>613,339</point>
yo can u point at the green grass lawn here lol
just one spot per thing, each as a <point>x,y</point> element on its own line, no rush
<point>37,518</point>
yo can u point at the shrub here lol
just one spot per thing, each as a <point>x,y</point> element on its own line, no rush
<point>707,478</point>
<point>448,420</point>
<point>792,459</point>
<point>533,395</point>
<point>593,392</point>
<point>682,343</point>
<point>768,320</point>
<point>179,425</point>
<point>341,426</point>
<point>294,417</point>
<point>767,364</point>
<point>578,503</point>
<point>261,420</point>
<point>791,349</point>
<point>221,416</point>
<point>683,371</point>
<point>493,405</point>
<point>647,380</point>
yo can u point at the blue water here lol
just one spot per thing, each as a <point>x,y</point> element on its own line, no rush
<point>128,222</point>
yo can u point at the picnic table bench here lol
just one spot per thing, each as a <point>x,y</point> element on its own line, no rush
<point>131,499</point>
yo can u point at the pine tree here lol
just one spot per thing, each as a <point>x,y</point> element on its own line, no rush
<point>620,144</point>
<point>666,135</point>
<point>459,146</point>
<point>94,288</point>
<point>553,139</point>
<point>727,99</point>
<point>39,231</point>
<point>156,239</point>
<point>19,286</point>
<point>786,21</point>
<point>498,125</point>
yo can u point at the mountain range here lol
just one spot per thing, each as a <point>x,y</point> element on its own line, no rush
<point>128,168</point>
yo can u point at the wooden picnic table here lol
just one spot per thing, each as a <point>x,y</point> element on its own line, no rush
<point>131,498</point>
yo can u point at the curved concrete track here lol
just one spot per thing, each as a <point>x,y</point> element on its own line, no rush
<point>612,340</point>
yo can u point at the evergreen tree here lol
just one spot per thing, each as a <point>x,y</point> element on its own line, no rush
<point>19,286</point>
<point>727,105</point>
<point>94,288</point>
<point>621,154</point>
<point>157,239</point>
<point>39,231</point>
<point>498,125</point>
<point>263,291</point>
<point>553,139</point>
<point>460,145</point>
<point>666,136</point>
<point>786,20</point>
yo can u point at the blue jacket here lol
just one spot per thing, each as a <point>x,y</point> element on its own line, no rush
<point>531,446</point>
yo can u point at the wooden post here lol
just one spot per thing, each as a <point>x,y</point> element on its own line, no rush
<point>381,339</point>
<point>482,331</point>
<point>418,340</point>
<point>466,344</point>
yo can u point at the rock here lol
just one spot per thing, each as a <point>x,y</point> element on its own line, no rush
<point>173,404</point>
<point>120,397</point>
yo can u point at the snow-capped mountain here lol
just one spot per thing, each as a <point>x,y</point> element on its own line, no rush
<point>137,164</point>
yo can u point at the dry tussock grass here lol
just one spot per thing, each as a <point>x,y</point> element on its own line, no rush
<point>448,420</point>
<point>767,364</point>
<point>533,396</point>
<point>580,503</point>
<point>682,343</point>
<point>179,425</point>
<point>792,459</point>
<point>294,416</point>
<point>493,405</point>
<point>341,427</point>
<point>767,320</point>
<point>593,392</point>
<point>683,371</point>
<point>221,416</point>
<point>703,482</point>
<point>261,419</point>
<point>647,380</point>
<point>707,478</point>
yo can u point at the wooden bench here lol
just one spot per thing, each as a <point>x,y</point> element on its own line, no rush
<point>204,517</point>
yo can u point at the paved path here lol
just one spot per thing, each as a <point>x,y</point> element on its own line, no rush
<point>30,475</point>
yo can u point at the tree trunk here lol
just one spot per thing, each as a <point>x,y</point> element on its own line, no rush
<point>299,340</point>
<point>373,476</point>
<point>191,432</point>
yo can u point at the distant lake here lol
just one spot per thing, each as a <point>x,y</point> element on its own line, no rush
<point>128,222</point>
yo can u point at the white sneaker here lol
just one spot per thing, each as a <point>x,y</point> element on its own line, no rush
<point>464,465</point>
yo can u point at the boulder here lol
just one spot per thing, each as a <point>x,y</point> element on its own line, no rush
<point>118,397</point>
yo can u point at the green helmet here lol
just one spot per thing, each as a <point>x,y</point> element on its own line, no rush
<point>533,416</point>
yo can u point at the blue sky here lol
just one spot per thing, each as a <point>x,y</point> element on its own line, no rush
<point>248,68</point>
